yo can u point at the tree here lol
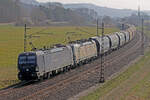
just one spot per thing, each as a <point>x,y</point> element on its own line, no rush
<point>107,20</point>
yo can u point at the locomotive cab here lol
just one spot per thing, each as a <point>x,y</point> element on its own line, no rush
<point>27,63</point>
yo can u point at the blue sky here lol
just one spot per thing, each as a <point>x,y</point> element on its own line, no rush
<point>121,4</point>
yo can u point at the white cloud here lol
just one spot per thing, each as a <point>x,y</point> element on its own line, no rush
<point>122,4</point>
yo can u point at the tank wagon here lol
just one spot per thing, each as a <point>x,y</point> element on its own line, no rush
<point>43,64</point>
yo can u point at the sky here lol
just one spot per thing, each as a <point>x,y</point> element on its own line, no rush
<point>121,4</point>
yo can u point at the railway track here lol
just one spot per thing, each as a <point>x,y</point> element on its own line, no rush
<point>55,85</point>
<point>7,90</point>
<point>61,85</point>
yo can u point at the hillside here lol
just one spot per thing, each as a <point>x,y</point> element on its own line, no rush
<point>34,13</point>
<point>30,2</point>
<point>102,11</point>
<point>9,10</point>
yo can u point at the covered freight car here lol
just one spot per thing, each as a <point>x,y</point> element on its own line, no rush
<point>130,33</point>
<point>114,41</point>
<point>122,39</point>
<point>106,45</point>
<point>127,36</point>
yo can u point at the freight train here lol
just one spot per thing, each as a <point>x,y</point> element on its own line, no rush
<point>42,64</point>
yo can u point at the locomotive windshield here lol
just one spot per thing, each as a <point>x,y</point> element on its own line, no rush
<point>27,60</point>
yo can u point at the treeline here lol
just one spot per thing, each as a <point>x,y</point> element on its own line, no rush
<point>9,11</point>
<point>55,14</point>
<point>49,14</point>
<point>134,19</point>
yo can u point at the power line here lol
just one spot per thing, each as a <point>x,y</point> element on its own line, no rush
<point>97,27</point>
<point>33,35</point>
<point>68,37</point>
<point>142,44</point>
<point>39,32</point>
<point>83,31</point>
<point>102,67</point>
<point>102,78</point>
<point>141,26</point>
<point>25,37</point>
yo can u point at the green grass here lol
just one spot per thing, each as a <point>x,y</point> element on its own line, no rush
<point>11,44</point>
<point>141,89</point>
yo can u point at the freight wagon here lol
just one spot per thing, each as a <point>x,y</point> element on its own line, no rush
<point>84,51</point>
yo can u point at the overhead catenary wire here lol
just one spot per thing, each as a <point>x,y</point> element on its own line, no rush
<point>82,30</point>
<point>102,59</point>
<point>41,31</point>
<point>102,77</point>
<point>141,26</point>
<point>33,35</point>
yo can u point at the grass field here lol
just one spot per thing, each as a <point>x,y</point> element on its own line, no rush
<point>133,84</point>
<point>11,44</point>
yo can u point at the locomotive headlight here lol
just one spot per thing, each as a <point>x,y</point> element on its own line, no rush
<point>32,75</point>
<point>27,70</point>
<point>36,69</point>
<point>20,75</point>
